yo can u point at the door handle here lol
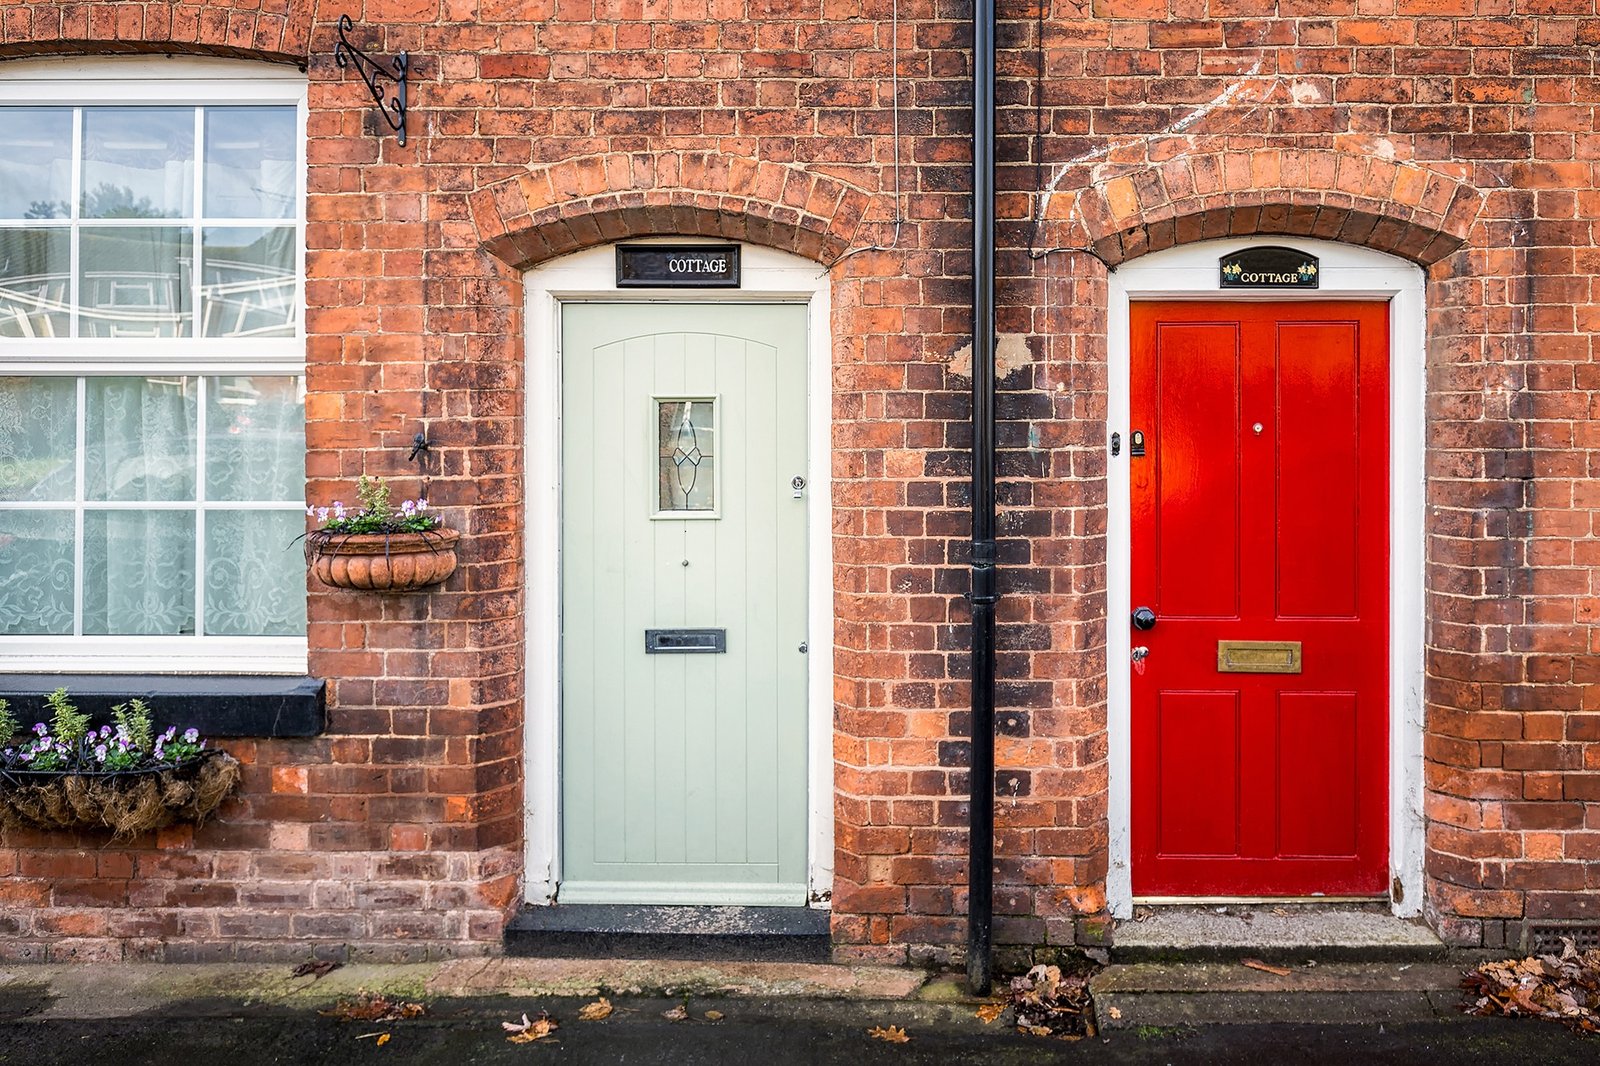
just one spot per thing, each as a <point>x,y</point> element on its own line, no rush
<point>1144,618</point>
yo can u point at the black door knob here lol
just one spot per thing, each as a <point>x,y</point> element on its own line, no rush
<point>1144,618</point>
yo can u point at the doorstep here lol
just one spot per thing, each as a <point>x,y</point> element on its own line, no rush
<point>628,931</point>
<point>1288,933</point>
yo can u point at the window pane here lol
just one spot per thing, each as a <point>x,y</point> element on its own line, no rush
<point>135,281</point>
<point>138,573</point>
<point>35,162</point>
<point>138,162</point>
<point>139,438</point>
<point>685,447</point>
<point>255,573</point>
<point>35,572</point>
<point>255,439</point>
<point>35,282</point>
<point>38,438</point>
<point>250,162</point>
<point>248,282</point>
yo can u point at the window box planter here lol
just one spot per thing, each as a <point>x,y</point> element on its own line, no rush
<point>127,802</point>
<point>382,562</point>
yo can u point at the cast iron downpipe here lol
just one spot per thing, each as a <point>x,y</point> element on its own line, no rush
<point>985,589</point>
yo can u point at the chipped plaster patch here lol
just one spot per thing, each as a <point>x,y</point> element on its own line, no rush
<point>1011,354</point>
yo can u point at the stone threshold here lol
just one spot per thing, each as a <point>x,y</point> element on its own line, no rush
<point>629,931</point>
<point>1289,933</point>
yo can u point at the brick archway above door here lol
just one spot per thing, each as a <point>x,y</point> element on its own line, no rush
<point>529,218</point>
<point>1401,208</point>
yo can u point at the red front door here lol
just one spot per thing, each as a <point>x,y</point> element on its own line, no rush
<point>1260,522</point>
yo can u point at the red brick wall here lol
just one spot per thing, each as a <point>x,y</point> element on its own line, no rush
<point>1458,133</point>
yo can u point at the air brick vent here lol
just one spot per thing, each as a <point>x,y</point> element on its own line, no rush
<point>1546,938</point>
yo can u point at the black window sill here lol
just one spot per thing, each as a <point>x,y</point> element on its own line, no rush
<point>219,705</point>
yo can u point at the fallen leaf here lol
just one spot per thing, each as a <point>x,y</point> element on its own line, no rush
<point>319,969</point>
<point>680,1013</point>
<point>990,1011</point>
<point>1113,1013</point>
<point>600,1008</point>
<point>526,1032</point>
<point>1035,1030</point>
<point>1257,964</point>
<point>893,1034</point>
<point>714,1015</point>
<point>373,1007</point>
<point>383,1039</point>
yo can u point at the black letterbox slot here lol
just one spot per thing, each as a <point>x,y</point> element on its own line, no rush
<point>657,641</point>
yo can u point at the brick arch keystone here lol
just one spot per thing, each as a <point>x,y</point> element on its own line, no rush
<point>528,218</point>
<point>1408,210</point>
<point>275,30</point>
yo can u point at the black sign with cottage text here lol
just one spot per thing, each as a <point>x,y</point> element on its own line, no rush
<point>678,266</point>
<point>1269,267</point>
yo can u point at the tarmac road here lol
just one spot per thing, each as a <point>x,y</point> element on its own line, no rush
<point>763,1032</point>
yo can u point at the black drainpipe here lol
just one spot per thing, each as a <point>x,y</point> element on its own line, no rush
<point>985,591</point>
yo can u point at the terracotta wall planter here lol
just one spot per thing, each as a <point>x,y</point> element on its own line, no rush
<point>382,562</point>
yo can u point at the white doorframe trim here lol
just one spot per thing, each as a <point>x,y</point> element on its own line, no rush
<point>1347,272</point>
<point>768,276</point>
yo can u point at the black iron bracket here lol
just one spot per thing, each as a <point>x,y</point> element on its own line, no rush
<point>375,73</point>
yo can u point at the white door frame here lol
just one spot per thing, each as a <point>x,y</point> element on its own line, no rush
<point>1191,271</point>
<point>768,276</point>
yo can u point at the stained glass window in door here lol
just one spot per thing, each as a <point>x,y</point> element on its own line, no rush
<point>686,454</point>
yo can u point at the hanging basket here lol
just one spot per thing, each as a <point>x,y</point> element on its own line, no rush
<point>382,562</point>
<point>127,802</point>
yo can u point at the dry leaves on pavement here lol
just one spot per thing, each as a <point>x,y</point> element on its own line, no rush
<point>990,1011</point>
<point>319,969</point>
<point>1564,988</point>
<point>680,1013</point>
<point>714,1016</point>
<point>526,1032</point>
<point>593,1012</point>
<point>893,1034</point>
<point>1048,1003</point>
<point>374,1007</point>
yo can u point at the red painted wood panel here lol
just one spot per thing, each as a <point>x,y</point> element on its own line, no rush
<point>1261,784</point>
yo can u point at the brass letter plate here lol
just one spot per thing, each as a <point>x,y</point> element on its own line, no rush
<point>1258,656</point>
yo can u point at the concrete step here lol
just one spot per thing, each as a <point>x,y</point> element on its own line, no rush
<point>1175,995</point>
<point>1277,933</point>
<point>625,931</point>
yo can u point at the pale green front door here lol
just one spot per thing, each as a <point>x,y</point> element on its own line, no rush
<point>683,768</point>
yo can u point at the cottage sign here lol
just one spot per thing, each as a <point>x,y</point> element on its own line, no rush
<point>678,266</point>
<point>1269,267</point>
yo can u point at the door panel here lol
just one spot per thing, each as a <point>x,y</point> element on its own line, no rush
<point>683,774</point>
<point>1260,513</point>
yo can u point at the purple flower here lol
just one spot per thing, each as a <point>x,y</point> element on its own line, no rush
<point>422,505</point>
<point>191,735</point>
<point>40,728</point>
<point>322,514</point>
<point>338,509</point>
<point>408,508</point>
<point>100,752</point>
<point>311,510</point>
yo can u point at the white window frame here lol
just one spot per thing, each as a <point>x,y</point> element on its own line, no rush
<point>184,81</point>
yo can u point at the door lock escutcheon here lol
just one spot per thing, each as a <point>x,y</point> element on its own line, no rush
<point>798,484</point>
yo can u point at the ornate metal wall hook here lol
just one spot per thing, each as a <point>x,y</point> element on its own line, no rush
<point>375,73</point>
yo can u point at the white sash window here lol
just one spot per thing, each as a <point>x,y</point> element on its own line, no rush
<point>152,366</point>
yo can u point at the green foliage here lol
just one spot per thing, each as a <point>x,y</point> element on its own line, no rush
<point>378,513</point>
<point>373,492</point>
<point>8,724</point>
<point>133,719</point>
<point>67,723</point>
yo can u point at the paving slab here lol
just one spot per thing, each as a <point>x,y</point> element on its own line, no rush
<point>121,990</point>
<point>1144,995</point>
<point>1273,932</point>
